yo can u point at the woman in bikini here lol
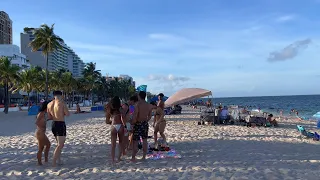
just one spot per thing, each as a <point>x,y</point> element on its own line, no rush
<point>118,126</point>
<point>159,124</point>
<point>125,109</point>
<point>40,134</point>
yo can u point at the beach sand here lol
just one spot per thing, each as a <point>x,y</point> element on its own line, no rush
<point>208,152</point>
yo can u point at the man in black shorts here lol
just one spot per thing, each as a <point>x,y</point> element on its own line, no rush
<point>57,110</point>
<point>142,115</point>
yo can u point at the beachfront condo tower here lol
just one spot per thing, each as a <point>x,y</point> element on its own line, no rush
<point>64,58</point>
<point>5,28</point>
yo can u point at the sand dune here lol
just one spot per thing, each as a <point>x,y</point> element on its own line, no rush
<point>208,152</point>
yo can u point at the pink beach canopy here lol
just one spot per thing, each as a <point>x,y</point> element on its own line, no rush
<point>186,94</point>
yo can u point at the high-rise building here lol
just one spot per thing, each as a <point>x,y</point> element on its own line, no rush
<point>64,58</point>
<point>13,53</point>
<point>5,28</point>
<point>75,64</point>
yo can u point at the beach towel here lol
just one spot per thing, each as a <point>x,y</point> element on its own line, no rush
<point>164,154</point>
<point>142,88</point>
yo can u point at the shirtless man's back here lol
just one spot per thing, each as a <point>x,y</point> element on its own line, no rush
<point>57,110</point>
<point>142,115</point>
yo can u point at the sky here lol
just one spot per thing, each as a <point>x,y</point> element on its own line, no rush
<point>231,47</point>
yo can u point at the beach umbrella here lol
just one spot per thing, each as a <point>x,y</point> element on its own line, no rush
<point>317,115</point>
<point>185,95</point>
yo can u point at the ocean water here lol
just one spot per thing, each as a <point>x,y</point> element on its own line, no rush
<point>306,105</point>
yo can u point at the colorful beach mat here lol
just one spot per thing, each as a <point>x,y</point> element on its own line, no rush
<point>164,154</point>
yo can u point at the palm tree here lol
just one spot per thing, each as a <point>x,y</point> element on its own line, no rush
<point>92,76</point>
<point>82,88</point>
<point>68,84</point>
<point>48,42</point>
<point>26,83</point>
<point>102,87</point>
<point>8,75</point>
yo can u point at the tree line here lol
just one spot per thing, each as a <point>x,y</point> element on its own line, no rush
<point>33,81</point>
<point>41,80</point>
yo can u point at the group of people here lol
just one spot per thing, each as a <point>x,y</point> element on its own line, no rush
<point>130,123</point>
<point>56,111</point>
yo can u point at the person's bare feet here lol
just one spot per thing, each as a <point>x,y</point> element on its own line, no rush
<point>39,163</point>
<point>133,160</point>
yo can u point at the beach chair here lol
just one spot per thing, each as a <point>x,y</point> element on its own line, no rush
<point>304,132</point>
<point>207,116</point>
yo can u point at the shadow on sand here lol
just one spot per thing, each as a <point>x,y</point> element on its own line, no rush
<point>16,124</point>
<point>223,159</point>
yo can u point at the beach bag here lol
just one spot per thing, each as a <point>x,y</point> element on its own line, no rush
<point>268,124</point>
<point>316,136</point>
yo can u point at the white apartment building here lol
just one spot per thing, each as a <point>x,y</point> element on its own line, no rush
<point>64,58</point>
<point>13,53</point>
<point>75,64</point>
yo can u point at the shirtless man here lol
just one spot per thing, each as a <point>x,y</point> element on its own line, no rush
<point>57,110</point>
<point>141,117</point>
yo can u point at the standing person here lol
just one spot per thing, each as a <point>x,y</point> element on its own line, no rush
<point>118,126</point>
<point>40,134</point>
<point>159,124</point>
<point>142,115</point>
<point>126,115</point>
<point>161,102</point>
<point>132,102</point>
<point>57,110</point>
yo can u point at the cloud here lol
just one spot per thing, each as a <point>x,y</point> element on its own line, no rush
<point>285,18</point>
<point>174,39</point>
<point>289,52</point>
<point>105,48</point>
<point>233,83</point>
<point>170,78</point>
<point>165,83</point>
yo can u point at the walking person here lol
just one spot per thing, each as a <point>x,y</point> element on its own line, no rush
<point>43,141</point>
<point>57,110</point>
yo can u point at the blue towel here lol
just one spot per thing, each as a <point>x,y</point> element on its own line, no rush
<point>142,88</point>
